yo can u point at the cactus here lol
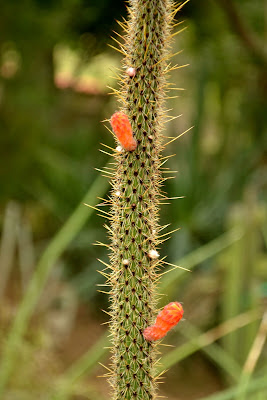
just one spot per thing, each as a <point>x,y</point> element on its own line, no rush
<point>134,228</point>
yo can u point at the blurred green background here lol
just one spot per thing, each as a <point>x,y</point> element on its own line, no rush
<point>55,69</point>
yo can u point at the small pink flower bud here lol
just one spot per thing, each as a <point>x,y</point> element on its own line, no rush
<point>131,71</point>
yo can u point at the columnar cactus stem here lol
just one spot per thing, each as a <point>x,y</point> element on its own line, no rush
<point>135,200</point>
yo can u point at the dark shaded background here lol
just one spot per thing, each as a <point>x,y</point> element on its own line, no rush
<point>55,67</point>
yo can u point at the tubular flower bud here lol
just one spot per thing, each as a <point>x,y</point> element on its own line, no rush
<point>122,128</point>
<point>171,314</point>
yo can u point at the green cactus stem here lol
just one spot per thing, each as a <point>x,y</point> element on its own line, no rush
<point>134,228</point>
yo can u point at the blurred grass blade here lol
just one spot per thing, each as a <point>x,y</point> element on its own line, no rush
<point>215,352</point>
<point>84,365</point>
<point>26,253</point>
<point>253,356</point>
<point>238,273</point>
<point>8,243</point>
<point>206,339</point>
<point>256,385</point>
<point>55,248</point>
<point>196,257</point>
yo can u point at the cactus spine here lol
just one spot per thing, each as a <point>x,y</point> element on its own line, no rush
<point>135,195</point>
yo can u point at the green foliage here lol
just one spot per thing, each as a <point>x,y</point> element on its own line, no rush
<point>43,268</point>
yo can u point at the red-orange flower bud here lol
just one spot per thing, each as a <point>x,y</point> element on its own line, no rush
<point>122,128</point>
<point>171,314</point>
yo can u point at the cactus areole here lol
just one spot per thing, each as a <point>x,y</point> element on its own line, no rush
<point>134,214</point>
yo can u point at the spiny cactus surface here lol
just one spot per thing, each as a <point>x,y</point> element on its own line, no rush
<point>134,228</point>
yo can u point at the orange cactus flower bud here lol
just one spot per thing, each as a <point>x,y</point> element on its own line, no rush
<point>122,128</point>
